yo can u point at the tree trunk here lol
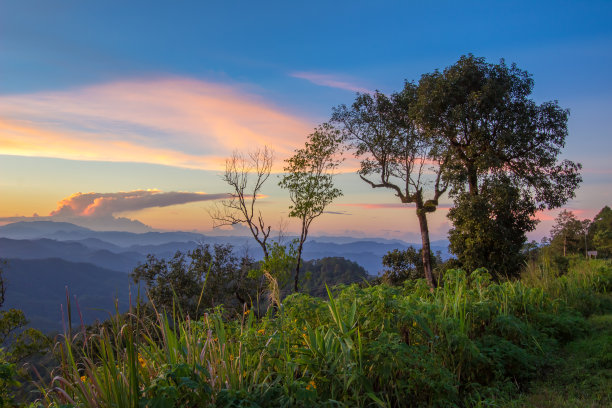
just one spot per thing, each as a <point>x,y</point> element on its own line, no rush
<point>297,267</point>
<point>473,182</point>
<point>426,251</point>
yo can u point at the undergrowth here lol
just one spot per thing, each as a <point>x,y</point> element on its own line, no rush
<point>471,342</point>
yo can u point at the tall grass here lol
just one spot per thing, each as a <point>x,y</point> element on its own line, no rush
<point>471,342</point>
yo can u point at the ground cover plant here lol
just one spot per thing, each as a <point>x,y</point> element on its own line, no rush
<point>470,342</point>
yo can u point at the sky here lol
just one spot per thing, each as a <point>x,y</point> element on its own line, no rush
<point>120,115</point>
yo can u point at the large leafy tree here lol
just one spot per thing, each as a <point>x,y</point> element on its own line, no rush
<point>492,131</point>
<point>396,154</point>
<point>309,180</point>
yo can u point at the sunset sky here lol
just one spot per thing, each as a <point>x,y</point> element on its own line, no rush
<point>128,109</point>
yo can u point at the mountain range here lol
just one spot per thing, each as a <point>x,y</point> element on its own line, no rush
<point>45,257</point>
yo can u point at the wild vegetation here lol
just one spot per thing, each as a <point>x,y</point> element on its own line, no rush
<point>223,331</point>
<point>470,342</point>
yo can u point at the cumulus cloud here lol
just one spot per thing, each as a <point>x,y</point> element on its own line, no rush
<point>173,121</point>
<point>329,81</point>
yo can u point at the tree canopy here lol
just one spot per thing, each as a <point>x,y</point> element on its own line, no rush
<point>490,126</point>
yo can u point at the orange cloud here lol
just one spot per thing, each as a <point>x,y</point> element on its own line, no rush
<point>172,121</point>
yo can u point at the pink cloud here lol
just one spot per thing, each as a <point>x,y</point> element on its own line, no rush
<point>329,81</point>
<point>172,121</point>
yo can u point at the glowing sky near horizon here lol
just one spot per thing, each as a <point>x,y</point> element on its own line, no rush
<point>132,107</point>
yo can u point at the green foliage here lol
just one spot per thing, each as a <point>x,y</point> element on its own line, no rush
<point>503,151</point>
<point>569,235</point>
<point>405,265</point>
<point>16,344</point>
<point>489,228</point>
<point>581,377</point>
<point>203,278</point>
<point>8,381</point>
<point>470,342</point>
<point>330,271</point>
<point>177,386</point>
<point>600,232</point>
<point>279,263</point>
<point>483,113</point>
<point>308,175</point>
<point>309,179</point>
<point>396,153</point>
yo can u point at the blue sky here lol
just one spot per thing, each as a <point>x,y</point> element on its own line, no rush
<point>111,88</point>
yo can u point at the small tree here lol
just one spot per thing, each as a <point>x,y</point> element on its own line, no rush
<point>600,232</point>
<point>405,265</point>
<point>309,181</point>
<point>246,175</point>
<point>569,234</point>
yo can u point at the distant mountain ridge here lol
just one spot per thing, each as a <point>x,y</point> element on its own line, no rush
<point>122,251</point>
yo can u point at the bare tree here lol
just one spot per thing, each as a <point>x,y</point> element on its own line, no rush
<point>246,175</point>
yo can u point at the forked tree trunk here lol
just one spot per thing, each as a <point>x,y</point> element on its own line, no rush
<point>426,251</point>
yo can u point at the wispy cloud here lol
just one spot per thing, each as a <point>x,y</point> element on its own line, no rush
<point>391,206</point>
<point>330,81</point>
<point>172,121</point>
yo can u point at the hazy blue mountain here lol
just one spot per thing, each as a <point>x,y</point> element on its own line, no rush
<point>95,243</point>
<point>70,251</point>
<point>38,229</point>
<point>63,231</point>
<point>123,250</point>
<point>38,287</point>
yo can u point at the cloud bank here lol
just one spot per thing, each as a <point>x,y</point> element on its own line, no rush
<point>106,204</point>
<point>99,210</point>
<point>172,121</point>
